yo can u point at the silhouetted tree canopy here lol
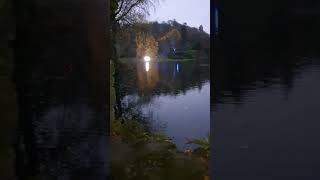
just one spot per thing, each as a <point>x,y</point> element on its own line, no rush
<point>201,28</point>
<point>130,11</point>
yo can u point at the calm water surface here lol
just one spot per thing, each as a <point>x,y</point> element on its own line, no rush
<point>173,96</point>
<point>265,105</point>
<point>266,122</point>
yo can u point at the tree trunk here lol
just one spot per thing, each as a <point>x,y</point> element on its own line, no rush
<point>117,75</point>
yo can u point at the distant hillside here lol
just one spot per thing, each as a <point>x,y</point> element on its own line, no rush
<point>175,40</point>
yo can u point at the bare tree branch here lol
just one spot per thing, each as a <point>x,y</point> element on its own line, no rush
<point>120,8</point>
<point>127,11</point>
<point>132,10</point>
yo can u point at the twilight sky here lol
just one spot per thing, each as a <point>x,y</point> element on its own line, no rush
<point>193,12</point>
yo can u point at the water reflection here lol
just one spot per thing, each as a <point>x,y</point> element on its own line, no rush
<point>161,91</point>
<point>162,78</point>
<point>60,138</point>
<point>147,65</point>
<point>265,105</point>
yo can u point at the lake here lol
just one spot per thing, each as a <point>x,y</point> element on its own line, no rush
<point>273,131</point>
<point>265,109</point>
<point>172,97</point>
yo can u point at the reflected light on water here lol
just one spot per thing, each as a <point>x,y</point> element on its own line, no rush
<point>177,67</point>
<point>147,66</point>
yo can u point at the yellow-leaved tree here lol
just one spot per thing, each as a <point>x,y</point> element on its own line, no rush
<point>146,45</point>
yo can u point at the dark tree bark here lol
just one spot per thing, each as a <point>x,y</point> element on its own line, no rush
<point>117,75</point>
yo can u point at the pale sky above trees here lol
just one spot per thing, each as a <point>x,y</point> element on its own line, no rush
<point>193,12</point>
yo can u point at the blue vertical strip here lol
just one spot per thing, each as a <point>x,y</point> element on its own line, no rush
<point>216,20</point>
<point>215,17</point>
<point>213,14</point>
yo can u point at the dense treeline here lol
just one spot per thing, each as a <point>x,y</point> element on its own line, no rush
<point>171,36</point>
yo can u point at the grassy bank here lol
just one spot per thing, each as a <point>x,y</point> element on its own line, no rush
<point>138,154</point>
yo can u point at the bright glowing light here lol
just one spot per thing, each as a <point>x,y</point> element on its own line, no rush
<point>147,58</point>
<point>147,65</point>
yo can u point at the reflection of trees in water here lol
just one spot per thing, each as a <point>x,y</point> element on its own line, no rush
<point>237,72</point>
<point>61,90</point>
<point>264,51</point>
<point>134,110</point>
<point>60,138</point>
<point>235,79</point>
<point>162,79</point>
<point>139,88</point>
<point>146,81</point>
